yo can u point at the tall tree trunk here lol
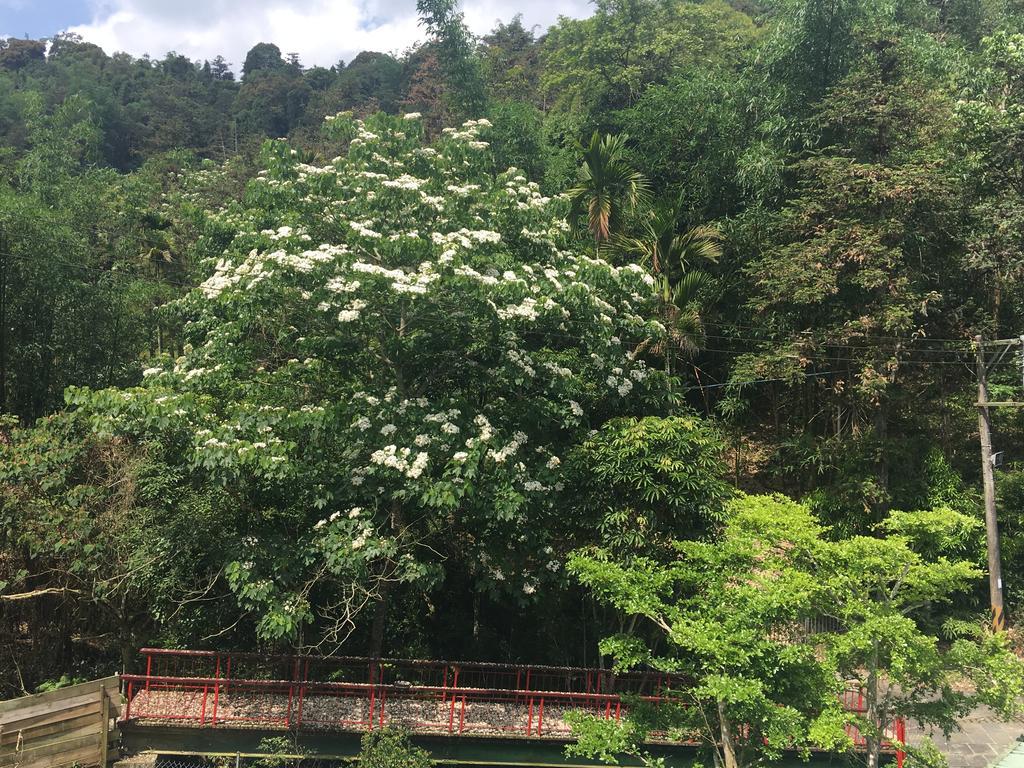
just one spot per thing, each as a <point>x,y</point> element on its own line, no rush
<point>125,637</point>
<point>873,740</point>
<point>881,425</point>
<point>380,617</point>
<point>728,745</point>
<point>127,643</point>
<point>476,620</point>
<point>380,613</point>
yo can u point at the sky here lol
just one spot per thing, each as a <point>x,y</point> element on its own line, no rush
<point>320,31</point>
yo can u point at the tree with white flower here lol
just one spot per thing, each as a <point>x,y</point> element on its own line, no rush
<point>402,332</point>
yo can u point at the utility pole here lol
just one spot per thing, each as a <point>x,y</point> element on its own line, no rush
<point>995,572</point>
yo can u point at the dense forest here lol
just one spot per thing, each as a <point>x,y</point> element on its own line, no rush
<point>441,354</point>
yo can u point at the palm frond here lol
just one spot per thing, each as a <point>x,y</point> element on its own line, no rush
<point>607,184</point>
<point>688,288</point>
<point>702,243</point>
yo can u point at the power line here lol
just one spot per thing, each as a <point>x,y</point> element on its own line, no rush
<point>916,339</point>
<point>756,381</point>
<point>952,356</point>
<point>834,358</point>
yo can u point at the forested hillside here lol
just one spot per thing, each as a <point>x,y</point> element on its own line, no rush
<point>371,357</point>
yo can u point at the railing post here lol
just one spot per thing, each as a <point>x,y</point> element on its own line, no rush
<point>128,702</point>
<point>216,691</point>
<point>149,669</point>
<point>383,698</point>
<point>288,712</point>
<point>529,722</point>
<point>202,712</point>
<point>462,715</point>
<point>540,718</point>
<point>369,719</point>
<point>451,714</point>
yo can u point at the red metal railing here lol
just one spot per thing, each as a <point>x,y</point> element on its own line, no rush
<point>357,669</point>
<point>218,702</point>
<point>212,689</point>
<point>894,734</point>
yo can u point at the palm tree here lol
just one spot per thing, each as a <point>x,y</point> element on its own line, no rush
<point>670,256</point>
<point>608,186</point>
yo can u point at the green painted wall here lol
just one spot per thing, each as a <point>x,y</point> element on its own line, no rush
<point>461,751</point>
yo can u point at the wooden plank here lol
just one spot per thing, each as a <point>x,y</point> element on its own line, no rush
<point>51,732</point>
<point>60,694</point>
<point>34,709</point>
<point>104,725</point>
<point>50,707</point>
<point>83,758</point>
<point>67,727</point>
<point>71,740</point>
<point>91,708</point>
<point>52,752</point>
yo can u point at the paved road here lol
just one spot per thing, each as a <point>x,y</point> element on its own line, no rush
<point>983,741</point>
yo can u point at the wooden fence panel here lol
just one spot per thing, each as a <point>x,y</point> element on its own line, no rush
<point>73,726</point>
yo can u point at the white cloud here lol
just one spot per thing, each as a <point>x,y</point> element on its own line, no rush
<point>320,31</point>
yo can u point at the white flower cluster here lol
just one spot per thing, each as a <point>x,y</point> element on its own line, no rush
<point>469,133</point>
<point>284,232</point>
<point>526,309</point>
<point>226,275</point>
<point>464,237</point>
<point>303,262</point>
<point>398,458</point>
<point>351,311</point>
<point>364,228</point>
<point>509,449</point>
<point>522,362</point>
<point>405,181</point>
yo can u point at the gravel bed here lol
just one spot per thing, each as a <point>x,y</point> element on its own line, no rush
<point>269,710</point>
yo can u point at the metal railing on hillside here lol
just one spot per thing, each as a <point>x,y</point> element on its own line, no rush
<point>427,697</point>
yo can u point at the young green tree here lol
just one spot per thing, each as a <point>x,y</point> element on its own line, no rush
<point>724,614</point>
<point>731,619</point>
<point>890,596</point>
